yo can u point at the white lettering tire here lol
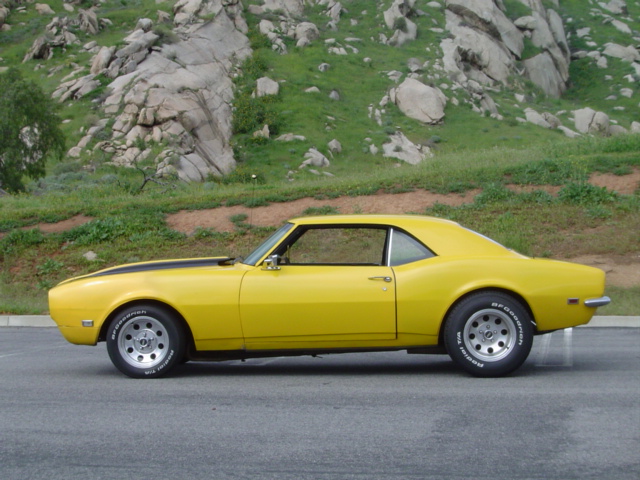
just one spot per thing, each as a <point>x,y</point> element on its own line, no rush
<point>145,341</point>
<point>489,334</point>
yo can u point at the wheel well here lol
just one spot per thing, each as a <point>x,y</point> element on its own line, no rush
<point>185,327</point>
<point>511,293</point>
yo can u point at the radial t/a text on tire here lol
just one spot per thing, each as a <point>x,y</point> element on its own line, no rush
<point>145,341</point>
<point>489,334</point>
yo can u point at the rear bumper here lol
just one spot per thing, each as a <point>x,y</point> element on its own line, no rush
<point>597,302</point>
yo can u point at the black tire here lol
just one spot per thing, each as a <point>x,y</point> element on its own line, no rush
<point>145,341</point>
<point>489,334</point>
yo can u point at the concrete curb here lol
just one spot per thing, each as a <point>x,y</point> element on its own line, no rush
<point>26,321</point>
<point>45,321</point>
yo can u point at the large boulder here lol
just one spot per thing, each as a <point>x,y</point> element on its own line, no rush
<point>399,9</point>
<point>101,60</point>
<point>627,54</point>
<point>589,121</point>
<point>314,158</point>
<point>396,17</point>
<point>266,86</point>
<point>400,147</point>
<point>407,33</point>
<point>419,101</point>
<point>305,33</point>
<point>4,13</point>
<point>618,7</point>
<point>542,71</point>
<point>44,9</point>
<point>537,119</point>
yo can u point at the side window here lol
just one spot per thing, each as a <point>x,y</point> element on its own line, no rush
<point>406,249</point>
<point>338,246</point>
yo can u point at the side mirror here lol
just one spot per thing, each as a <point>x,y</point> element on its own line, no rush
<point>271,263</point>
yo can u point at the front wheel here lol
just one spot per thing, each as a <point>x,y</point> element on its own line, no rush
<point>145,341</point>
<point>489,334</point>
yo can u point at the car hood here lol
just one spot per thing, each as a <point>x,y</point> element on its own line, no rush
<point>157,265</point>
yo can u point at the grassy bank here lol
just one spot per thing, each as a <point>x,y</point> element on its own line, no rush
<point>127,227</point>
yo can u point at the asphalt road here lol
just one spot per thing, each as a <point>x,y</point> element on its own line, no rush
<point>572,412</point>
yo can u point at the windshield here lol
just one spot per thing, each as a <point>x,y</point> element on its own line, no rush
<point>267,245</point>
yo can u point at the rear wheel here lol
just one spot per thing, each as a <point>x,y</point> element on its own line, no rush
<point>145,341</point>
<point>489,334</point>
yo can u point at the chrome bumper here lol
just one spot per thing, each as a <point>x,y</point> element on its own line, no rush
<point>597,302</point>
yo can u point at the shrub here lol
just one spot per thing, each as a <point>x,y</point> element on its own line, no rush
<point>165,34</point>
<point>18,239</point>
<point>96,231</point>
<point>494,193</point>
<point>251,114</point>
<point>586,194</point>
<point>324,210</point>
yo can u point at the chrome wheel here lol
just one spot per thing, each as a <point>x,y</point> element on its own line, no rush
<point>146,341</point>
<point>143,342</point>
<point>490,334</point>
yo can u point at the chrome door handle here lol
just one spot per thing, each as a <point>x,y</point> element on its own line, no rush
<point>385,279</point>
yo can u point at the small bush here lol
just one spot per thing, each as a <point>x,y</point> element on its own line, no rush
<point>49,266</point>
<point>494,193</point>
<point>18,239</point>
<point>165,35</point>
<point>400,24</point>
<point>515,9</point>
<point>66,167</point>
<point>244,175</point>
<point>251,114</point>
<point>324,210</point>
<point>586,194</point>
<point>253,68</point>
<point>545,172</point>
<point>96,231</point>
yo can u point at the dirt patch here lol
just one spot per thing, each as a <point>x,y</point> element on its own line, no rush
<point>64,225</point>
<point>623,184</point>
<point>275,214</point>
<point>187,221</point>
<point>623,271</point>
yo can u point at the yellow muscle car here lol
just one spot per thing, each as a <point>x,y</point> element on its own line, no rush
<point>332,284</point>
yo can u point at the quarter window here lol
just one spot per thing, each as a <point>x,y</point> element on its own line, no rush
<point>406,249</point>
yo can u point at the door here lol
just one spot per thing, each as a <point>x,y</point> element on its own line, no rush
<point>330,286</point>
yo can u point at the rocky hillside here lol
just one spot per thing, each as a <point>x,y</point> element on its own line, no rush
<point>195,86</point>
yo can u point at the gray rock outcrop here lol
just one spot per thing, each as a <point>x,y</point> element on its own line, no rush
<point>487,45</point>
<point>401,148</point>
<point>177,94</point>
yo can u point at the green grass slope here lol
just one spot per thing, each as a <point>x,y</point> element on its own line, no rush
<point>470,151</point>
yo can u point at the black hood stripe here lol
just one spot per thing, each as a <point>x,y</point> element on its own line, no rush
<point>145,267</point>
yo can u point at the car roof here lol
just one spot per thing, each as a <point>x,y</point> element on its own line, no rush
<point>372,219</point>
<point>442,236</point>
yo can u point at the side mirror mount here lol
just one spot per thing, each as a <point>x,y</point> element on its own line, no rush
<point>271,263</point>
